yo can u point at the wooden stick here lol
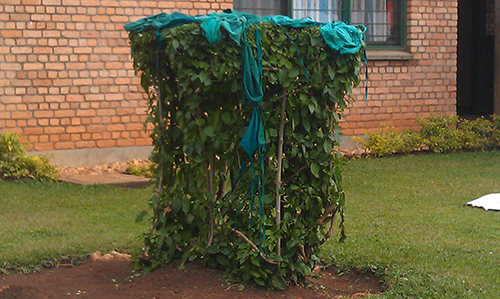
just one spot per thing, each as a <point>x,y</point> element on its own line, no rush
<point>159,190</point>
<point>330,230</point>
<point>254,247</point>
<point>327,212</point>
<point>279,170</point>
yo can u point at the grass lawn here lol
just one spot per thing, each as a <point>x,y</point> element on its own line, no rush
<point>47,221</point>
<point>406,218</point>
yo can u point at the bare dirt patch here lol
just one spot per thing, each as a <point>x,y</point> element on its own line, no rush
<point>115,280</point>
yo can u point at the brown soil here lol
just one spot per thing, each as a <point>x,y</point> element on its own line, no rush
<point>114,279</point>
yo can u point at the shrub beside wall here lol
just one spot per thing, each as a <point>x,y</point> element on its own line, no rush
<point>217,203</point>
<point>439,134</point>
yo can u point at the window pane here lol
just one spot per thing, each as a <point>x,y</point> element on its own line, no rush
<point>323,11</point>
<point>380,17</point>
<point>262,7</point>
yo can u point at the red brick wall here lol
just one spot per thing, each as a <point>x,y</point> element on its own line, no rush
<point>66,78</point>
<point>400,91</point>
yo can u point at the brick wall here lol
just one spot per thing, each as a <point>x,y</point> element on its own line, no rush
<point>400,91</point>
<point>66,79</point>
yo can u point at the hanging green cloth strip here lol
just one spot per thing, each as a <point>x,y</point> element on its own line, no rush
<point>254,136</point>
<point>251,69</point>
<point>252,141</point>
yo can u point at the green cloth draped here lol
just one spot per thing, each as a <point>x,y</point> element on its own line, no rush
<point>344,38</point>
<point>339,36</point>
<point>234,22</point>
<point>160,21</point>
<point>254,136</point>
<point>287,21</point>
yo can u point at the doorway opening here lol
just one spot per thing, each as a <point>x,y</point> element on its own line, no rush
<point>476,52</point>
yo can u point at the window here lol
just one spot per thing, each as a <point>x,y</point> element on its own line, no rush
<point>385,20</point>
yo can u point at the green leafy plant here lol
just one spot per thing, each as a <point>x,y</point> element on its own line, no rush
<point>440,133</point>
<point>437,133</point>
<point>389,141</point>
<point>477,134</point>
<point>16,164</point>
<point>205,207</point>
<point>144,170</point>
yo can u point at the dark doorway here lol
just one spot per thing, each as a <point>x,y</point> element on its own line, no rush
<point>476,37</point>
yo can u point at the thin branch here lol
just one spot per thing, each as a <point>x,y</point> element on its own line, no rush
<point>279,169</point>
<point>220,188</point>
<point>254,247</point>
<point>327,212</point>
<point>296,174</point>
<point>161,148</point>
<point>330,230</point>
<point>266,68</point>
<point>211,233</point>
<point>302,253</point>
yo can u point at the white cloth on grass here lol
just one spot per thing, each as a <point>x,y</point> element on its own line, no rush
<point>487,202</point>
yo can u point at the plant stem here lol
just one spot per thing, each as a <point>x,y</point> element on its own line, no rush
<point>279,170</point>
<point>160,137</point>
<point>254,247</point>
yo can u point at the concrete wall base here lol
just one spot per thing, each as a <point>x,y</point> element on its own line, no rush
<point>100,156</point>
<point>347,142</point>
<point>95,156</point>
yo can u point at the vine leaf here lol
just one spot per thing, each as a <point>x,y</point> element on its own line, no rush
<point>315,169</point>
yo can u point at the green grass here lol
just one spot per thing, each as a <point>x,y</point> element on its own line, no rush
<point>406,219</point>
<point>49,221</point>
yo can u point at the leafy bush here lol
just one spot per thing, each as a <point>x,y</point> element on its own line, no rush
<point>206,209</point>
<point>440,133</point>
<point>476,134</point>
<point>389,141</point>
<point>495,134</point>
<point>437,133</point>
<point>144,170</point>
<point>16,164</point>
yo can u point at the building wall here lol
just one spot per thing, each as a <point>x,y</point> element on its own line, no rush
<point>401,90</point>
<point>66,77</point>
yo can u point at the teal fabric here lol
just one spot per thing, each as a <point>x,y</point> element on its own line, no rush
<point>287,21</point>
<point>254,136</point>
<point>344,38</point>
<point>339,36</point>
<point>254,140</point>
<point>160,21</point>
<point>234,23</point>
<point>251,69</point>
<point>211,30</point>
